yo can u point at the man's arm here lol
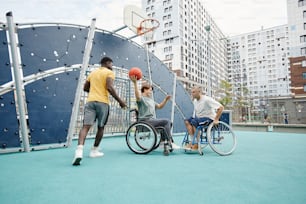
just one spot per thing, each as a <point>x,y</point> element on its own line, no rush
<point>112,91</point>
<point>86,86</point>
<point>218,114</point>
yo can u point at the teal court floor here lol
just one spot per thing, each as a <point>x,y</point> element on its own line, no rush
<point>267,167</point>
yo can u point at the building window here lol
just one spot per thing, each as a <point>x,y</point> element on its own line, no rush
<point>303,51</point>
<point>304,26</point>
<point>170,65</point>
<point>304,14</point>
<point>304,87</point>
<point>302,3</point>
<point>303,38</point>
<point>304,75</point>
<point>304,63</point>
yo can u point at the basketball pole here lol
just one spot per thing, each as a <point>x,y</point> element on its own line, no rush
<point>149,69</point>
<point>173,101</point>
<point>148,63</point>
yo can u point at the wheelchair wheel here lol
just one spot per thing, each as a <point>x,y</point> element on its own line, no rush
<point>141,138</point>
<point>221,138</point>
<point>158,140</point>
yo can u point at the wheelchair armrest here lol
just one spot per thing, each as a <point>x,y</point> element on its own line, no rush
<point>134,109</point>
<point>136,112</point>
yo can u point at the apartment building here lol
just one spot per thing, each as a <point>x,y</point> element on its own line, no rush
<point>189,42</point>
<point>258,62</point>
<point>297,33</point>
<point>296,11</point>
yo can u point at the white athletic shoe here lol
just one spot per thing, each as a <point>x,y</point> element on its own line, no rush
<point>94,152</point>
<point>78,155</point>
<point>175,146</point>
<point>161,145</point>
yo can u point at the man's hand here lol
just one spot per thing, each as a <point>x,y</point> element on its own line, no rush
<point>123,104</point>
<point>216,121</point>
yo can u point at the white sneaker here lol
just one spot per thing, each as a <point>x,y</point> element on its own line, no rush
<point>94,152</point>
<point>175,146</point>
<point>78,155</point>
<point>161,145</point>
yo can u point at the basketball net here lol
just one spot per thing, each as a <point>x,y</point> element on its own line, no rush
<point>147,29</point>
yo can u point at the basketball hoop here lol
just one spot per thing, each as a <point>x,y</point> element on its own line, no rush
<point>147,28</point>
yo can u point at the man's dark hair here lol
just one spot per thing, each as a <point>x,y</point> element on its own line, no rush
<point>105,59</point>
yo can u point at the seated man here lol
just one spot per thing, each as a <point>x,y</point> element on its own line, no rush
<point>205,109</point>
<point>146,109</point>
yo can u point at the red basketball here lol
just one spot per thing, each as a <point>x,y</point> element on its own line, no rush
<point>135,71</point>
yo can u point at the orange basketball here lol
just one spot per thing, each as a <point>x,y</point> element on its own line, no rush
<point>135,71</point>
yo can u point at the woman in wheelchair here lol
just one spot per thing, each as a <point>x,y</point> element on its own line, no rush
<point>205,109</point>
<point>146,110</point>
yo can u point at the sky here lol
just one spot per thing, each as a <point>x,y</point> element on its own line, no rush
<point>233,17</point>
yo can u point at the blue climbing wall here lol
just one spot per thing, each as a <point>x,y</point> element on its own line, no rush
<point>9,130</point>
<point>43,48</point>
<point>50,102</point>
<point>50,99</point>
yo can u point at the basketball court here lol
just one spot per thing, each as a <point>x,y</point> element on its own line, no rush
<point>266,167</point>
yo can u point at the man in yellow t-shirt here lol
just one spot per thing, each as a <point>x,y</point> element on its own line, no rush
<point>99,85</point>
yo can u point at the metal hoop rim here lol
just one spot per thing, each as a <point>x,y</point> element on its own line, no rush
<point>140,28</point>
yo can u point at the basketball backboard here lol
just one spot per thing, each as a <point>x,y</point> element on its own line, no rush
<point>133,16</point>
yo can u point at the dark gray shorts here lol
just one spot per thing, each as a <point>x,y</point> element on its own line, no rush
<point>96,111</point>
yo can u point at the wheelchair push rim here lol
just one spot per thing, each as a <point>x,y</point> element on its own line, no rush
<point>141,138</point>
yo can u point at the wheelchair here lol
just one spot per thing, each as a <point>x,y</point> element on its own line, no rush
<point>142,138</point>
<point>220,137</point>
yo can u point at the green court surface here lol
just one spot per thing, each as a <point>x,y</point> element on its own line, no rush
<point>267,167</point>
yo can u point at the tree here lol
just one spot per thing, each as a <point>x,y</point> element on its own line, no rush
<point>226,93</point>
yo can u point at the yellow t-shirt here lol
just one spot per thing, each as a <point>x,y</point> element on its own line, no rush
<point>98,90</point>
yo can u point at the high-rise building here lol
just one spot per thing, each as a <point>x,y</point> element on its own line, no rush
<point>297,33</point>
<point>189,42</point>
<point>258,63</point>
<point>296,10</point>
